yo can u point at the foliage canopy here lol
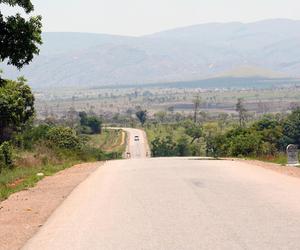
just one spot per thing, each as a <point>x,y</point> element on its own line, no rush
<point>16,107</point>
<point>19,36</point>
<point>142,116</point>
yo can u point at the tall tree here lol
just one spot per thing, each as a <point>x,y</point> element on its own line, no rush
<point>90,124</point>
<point>19,36</point>
<point>196,102</point>
<point>194,130</point>
<point>242,112</point>
<point>16,107</point>
<point>142,116</point>
<point>291,128</point>
<point>19,40</point>
<point>222,120</point>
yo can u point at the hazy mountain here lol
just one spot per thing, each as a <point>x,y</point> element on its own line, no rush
<point>268,48</point>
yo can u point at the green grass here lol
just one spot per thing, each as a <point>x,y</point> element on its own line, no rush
<point>109,140</point>
<point>280,159</point>
<point>49,161</point>
<point>21,178</point>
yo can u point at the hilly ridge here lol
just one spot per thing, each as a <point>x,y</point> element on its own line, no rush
<point>184,54</point>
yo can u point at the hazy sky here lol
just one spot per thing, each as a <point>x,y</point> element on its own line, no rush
<point>137,17</point>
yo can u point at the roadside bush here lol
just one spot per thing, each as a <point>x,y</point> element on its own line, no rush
<point>182,146</point>
<point>271,131</point>
<point>164,147</point>
<point>215,145</point>
<point>95,124</point>
<point>85,130</point>
<point>16,107</point>
<point>31,136</point>
<point>291,128</point>
<point>64,138</point>
<point>88,153</point>
<point>89,124</point>
<point>247,144</point>
<point>197,148</point>
<point>194,130</point>
<point>6,160</point>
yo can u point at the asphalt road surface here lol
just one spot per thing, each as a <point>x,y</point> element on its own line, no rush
<point>176,203</point>
<point>137,144</point>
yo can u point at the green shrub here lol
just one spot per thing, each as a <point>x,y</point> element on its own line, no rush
<point>164,147</point>
<point>85,130</point>
<point>31,136</point>
<point>95,124</point>
<point>89,124</point>
<point>6,160</point>
<point>248,144</point>
<point>95,154</point>
<point>291,128</point>
<point>64,138</point>
<point>183,146</point>
<point>16,107</point>
<point>215,145</point>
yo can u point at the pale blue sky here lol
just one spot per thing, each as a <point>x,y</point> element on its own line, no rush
<point>137,17</point>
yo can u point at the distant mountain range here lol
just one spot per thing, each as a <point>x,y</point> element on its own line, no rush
<point>269,48</point>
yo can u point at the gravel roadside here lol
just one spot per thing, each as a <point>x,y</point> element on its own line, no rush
<point>23,213</point>
<point>291,171</point>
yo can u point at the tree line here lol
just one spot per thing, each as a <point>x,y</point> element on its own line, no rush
<point>265,137</point>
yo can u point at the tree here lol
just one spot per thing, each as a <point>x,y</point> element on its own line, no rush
<point>272,133</point>
<point>19,36</point>
<point>197,102</point>
<point>204,116</point>
<point>245,143</point>
<point>142,116</point>
<point>242,112</point>
<point>95,124</point>
<point>183,146</point>
<point>83,118</point>
<point>171,109</point>
<point>222,120</point>
<point>64,138</point>
<point>90,124</point>
<point>72,117</point>
<point>214,145</point>
<point>6,159</point>
<point>163,147</point>
<point>193,130</point>
<point>161,116</point>
<point>19,40</point>
<point>16,107</point>
<point>291,128</point>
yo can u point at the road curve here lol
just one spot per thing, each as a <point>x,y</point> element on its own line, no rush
<point>176,203</point>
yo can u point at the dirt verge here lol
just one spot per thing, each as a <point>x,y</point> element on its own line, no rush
<point>23,213</point>
<point>291,171</point>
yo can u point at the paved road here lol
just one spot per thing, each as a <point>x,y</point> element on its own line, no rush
<point>177,203</point>
<point>137,148</point>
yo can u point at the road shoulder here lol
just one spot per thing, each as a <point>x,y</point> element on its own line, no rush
<point>286,170</point>
<point>23,213</point>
